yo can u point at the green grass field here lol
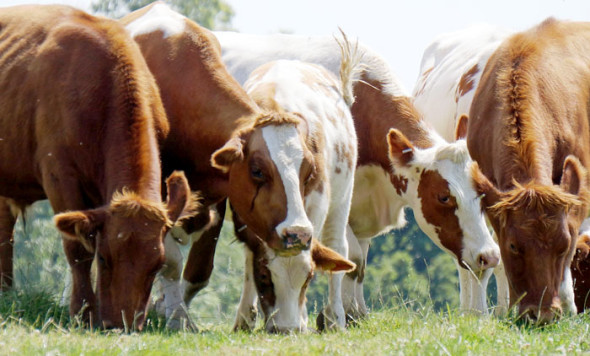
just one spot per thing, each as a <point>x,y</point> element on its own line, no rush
<point>397,330</point>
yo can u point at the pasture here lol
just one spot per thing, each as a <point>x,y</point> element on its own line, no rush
<point>415,317</point>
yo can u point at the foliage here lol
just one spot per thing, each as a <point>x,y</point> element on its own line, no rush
<point>212,14</point>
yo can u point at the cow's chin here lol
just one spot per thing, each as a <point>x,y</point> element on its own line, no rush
<point>290,252</point>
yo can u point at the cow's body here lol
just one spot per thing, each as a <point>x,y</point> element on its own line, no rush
<point>80,116</point>
<point>528,130</point>
<point>380,193</point>
<point>326,130</point>
<point>207,109</point>
<point>450,71</point>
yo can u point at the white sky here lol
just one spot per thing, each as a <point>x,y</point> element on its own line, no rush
<point>399,30</point>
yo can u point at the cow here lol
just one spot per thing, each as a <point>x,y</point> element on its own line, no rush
<point>409,166</point>
<point>450,71</point>
<point>80,118</point>
<point>305,163</point>
<point>528,132</point>
<point>208,110</point>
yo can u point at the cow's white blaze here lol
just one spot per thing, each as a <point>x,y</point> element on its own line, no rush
<point>286,151</point>
<point>159,18</point>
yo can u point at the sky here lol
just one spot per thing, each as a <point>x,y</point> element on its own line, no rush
<point>397,30</point>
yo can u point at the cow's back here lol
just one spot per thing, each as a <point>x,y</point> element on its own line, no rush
<point>545,115</point>
<point>76,95</point>
<point>450,71</point>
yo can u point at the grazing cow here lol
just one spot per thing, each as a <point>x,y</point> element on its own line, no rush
<point>528,131</point>
<point>207,110</point>
<point>449,75</point>
<point>80,116</point>
<point>301,169</point>
<point>430,175</point>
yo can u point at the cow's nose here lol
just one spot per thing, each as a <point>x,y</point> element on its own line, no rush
<point>297,238</point>
<point>487,260</point>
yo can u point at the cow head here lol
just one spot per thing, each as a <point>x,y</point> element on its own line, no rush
<point>270,171</point>
<point>437,183</point>
<point>281,282</point>
<point>537,227</point>
<point>126,237</point>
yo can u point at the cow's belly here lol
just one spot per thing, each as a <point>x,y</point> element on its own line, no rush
<point>376,208</point>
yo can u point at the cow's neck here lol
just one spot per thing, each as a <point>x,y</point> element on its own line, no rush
<point>375,112</point>
<point>131,158</point>
<point>201,122</point>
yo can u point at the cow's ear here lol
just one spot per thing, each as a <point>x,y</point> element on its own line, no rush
<point>461,128</point>
<point>81,226</point>
<point>488,193</point>
<point>401,150</point>
<point>329,260</point>
<point>573,175</point>
<point>232,151</point>
<point>179,201</point>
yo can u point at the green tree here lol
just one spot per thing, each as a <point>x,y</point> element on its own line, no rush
<point>212,14</point>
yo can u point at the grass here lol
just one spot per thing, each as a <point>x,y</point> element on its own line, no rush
<point>46,329</point>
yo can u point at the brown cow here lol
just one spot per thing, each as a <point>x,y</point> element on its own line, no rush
<point>80,116</point>
<point>206,108</point>
<point>529,132</point>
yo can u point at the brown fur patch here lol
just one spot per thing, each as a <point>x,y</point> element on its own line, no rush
<point>542,199</point>
<point>129,204</point>
<point>399,182</point>
<point>466,83</point>
<point>442,215</point>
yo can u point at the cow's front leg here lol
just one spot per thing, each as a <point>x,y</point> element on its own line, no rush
<point>247,309</point>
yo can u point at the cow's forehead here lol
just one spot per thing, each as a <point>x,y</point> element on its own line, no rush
<point>159,18</point>
<point>284,144</point>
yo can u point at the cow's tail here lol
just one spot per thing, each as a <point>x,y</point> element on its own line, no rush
<point>350,66</point>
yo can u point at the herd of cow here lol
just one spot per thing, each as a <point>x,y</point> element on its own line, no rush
<point>317,148</point>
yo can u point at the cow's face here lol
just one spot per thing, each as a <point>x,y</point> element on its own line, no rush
<point>537,226</point>
<point>127,239</point>
<point>270,171</point>
<point>281,282</point>
<point>437,183</point>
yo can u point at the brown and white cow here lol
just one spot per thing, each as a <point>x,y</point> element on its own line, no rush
<point>450,72</point>
<point>80,118</point>
<point>208,110</point>
<point>425,172</point>
<point>304,168</point>
<point>528,130</point>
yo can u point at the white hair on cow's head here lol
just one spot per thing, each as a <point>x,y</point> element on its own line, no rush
<point>456,152</point>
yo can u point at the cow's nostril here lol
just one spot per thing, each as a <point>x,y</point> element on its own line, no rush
<point>487,260</point>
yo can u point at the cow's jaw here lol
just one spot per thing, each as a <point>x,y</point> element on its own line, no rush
<point>290,276</point>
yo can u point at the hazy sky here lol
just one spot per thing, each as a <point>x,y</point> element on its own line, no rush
<point>398,30</point>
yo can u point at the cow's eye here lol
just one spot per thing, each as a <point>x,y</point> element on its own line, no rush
<point>257,174</point>
<point>445,199</point>
<point>513,249</point>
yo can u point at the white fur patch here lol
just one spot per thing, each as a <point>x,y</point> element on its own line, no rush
<point>284,145</point>
<point>159,18</point>
<point>289,275</point>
